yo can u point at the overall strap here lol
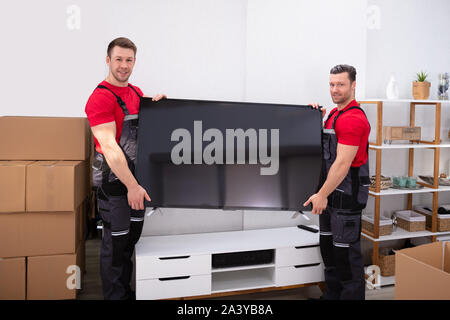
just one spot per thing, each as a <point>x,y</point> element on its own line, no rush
<point>330,115</point>
<point>134,90</point>
<point>122,104</point>
<point>354,107</point>
<point>343,111</point>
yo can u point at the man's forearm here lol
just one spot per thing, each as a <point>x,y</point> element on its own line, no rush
<point>117,162</point>
<point>336,175</point>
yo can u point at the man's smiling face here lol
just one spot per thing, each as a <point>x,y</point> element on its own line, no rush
<point>121,63</point>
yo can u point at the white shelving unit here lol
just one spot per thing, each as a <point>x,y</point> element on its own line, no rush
<point>379,147</point>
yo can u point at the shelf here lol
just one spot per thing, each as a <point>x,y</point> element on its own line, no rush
<point>258,266</point>
<point>387,281</point>
<point>403,234</point>
<point>445,233</point>
<point>403,100</point>
<point>243,280</point>
<point>409,146</point>
<point>390,191</point>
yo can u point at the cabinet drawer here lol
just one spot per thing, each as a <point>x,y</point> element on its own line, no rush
<point>293,256</point>
<point>174,287</point>
<point>287,276</point>
<point>160,267</point>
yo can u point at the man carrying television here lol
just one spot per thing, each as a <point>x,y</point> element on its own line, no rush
<point>343,189</point>
<point>112,111</point>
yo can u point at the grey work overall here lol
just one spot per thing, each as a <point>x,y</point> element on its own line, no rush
<point>122,226</point>
<point>340,224</point>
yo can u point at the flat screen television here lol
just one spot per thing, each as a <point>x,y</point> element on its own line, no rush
<point>228,155</point>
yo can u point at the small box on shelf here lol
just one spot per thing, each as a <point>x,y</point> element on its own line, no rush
<point>443,220</point>
<point>387,262</point>
<point>410,221</point>
<point>368,224</point>
<point>401,133</point>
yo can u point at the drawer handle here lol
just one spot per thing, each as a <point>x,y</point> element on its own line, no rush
<point>174,278</point>
<point>304,247</point>
<point>170,258</point>
<point>307,265</point>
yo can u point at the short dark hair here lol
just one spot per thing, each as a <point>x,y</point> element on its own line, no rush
<point>123,43</point>
<point>341,68</point>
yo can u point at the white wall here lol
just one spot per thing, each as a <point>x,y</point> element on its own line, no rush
<point>234,50</point>
<point>292,45</point>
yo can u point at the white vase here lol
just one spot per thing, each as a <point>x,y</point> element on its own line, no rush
<point>392,88</point>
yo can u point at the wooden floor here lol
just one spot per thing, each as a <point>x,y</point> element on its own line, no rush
<point>92,288</point>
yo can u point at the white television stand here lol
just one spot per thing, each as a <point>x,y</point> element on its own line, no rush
<point>180,266</point>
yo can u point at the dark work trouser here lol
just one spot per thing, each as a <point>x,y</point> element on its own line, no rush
<point>340,247</point>
<point>122,228</point>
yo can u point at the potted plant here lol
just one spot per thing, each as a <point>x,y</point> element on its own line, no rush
<point>421,87</point>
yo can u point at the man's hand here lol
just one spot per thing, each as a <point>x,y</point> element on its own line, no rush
<point>319,203</point>
<point>136,196</point>
<point>159,97</point>
<point>315,105</point>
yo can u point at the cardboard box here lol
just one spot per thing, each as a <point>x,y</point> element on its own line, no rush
<point>12,279</point>
<point>39,233</point>
<point>86,208</point>
<point>44,138</point>
<point>56,185</point>
<point>423,272</point>
<point>12,235</point>
<point>12,185</point>
<point>82,256</point>
<point>55,277</point>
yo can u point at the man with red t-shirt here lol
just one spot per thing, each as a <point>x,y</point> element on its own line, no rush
<point>343,189</point>
<point>112,111</point>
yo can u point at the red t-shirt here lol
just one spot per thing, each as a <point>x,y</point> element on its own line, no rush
<point>352,129</point>
<point>102,107</point>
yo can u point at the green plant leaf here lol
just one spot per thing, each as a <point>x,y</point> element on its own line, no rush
<point>421,76</point>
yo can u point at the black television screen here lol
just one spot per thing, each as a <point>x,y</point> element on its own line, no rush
<point>228,155</point>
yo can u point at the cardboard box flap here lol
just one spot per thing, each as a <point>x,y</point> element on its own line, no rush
<point>69,163</point>
<point>11,163</point>
<point>417,280</point>
<point>12,279</point>
<point>12,185</point>
<point>53,232</point>
<point>56,185</point>
<point>430,254</point>
<point>44,163</point>
<point>13,237</point>
<point>48,277</point>
<point>447,257</point>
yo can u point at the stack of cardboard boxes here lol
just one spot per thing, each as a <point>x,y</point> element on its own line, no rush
<point>45,192</point>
